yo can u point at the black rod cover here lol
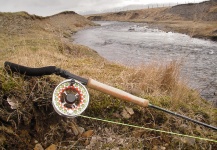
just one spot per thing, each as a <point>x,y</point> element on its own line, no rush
<point>43,71</point>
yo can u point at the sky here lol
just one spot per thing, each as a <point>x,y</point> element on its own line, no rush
<point>51,7</point>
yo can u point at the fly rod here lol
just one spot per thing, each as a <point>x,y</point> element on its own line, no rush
<point>71,98</point>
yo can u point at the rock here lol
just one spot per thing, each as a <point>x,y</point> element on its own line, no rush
<point>129,110</point>
<point>13,102</point>
<point>158,147</point>
<point>52,147</point>
<point>36,141</point>
<point>80,130</point>
<point>125,114</point>
<point>38,147</point>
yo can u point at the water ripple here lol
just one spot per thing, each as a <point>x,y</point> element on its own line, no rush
<point>126,42</point>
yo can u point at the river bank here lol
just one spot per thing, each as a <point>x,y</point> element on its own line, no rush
<point>196,20</point>
<point>203,30</point>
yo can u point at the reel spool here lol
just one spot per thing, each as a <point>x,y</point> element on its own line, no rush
<point>70,98</point>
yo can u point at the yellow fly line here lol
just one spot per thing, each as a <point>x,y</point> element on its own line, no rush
<point>150,129</point>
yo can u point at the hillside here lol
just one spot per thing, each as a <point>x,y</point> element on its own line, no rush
<point>28,120</point>
<point>22,22</point>
<point>196,20</point>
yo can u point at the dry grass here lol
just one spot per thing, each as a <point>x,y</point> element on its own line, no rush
<point>35,120</point>
<point>213,9</point>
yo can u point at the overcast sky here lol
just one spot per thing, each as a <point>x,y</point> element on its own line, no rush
<point>51,7</point>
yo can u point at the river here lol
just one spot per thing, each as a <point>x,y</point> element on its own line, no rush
<point>137,43</point>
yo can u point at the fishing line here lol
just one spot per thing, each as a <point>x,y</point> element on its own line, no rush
<point>150,129</point>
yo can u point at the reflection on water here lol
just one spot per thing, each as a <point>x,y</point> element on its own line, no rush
<point>133,44</point>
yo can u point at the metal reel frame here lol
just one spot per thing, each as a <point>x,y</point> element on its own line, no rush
<point>70,108</point>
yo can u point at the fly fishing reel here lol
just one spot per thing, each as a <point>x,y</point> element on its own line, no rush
<point>70,98</point>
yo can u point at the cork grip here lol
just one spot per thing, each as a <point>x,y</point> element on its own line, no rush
<point>117,93</point>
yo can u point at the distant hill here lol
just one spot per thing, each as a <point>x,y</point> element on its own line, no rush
<point>137,7</point>
<point>206,11</point>
<point>129,7</point>
<point>23,22</point>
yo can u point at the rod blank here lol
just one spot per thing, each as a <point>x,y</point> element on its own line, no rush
<point>183,117</point>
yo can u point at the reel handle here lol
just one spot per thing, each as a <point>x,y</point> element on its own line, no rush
<point>117,93</point>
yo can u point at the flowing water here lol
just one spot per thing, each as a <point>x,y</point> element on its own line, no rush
<point>135,43</point>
